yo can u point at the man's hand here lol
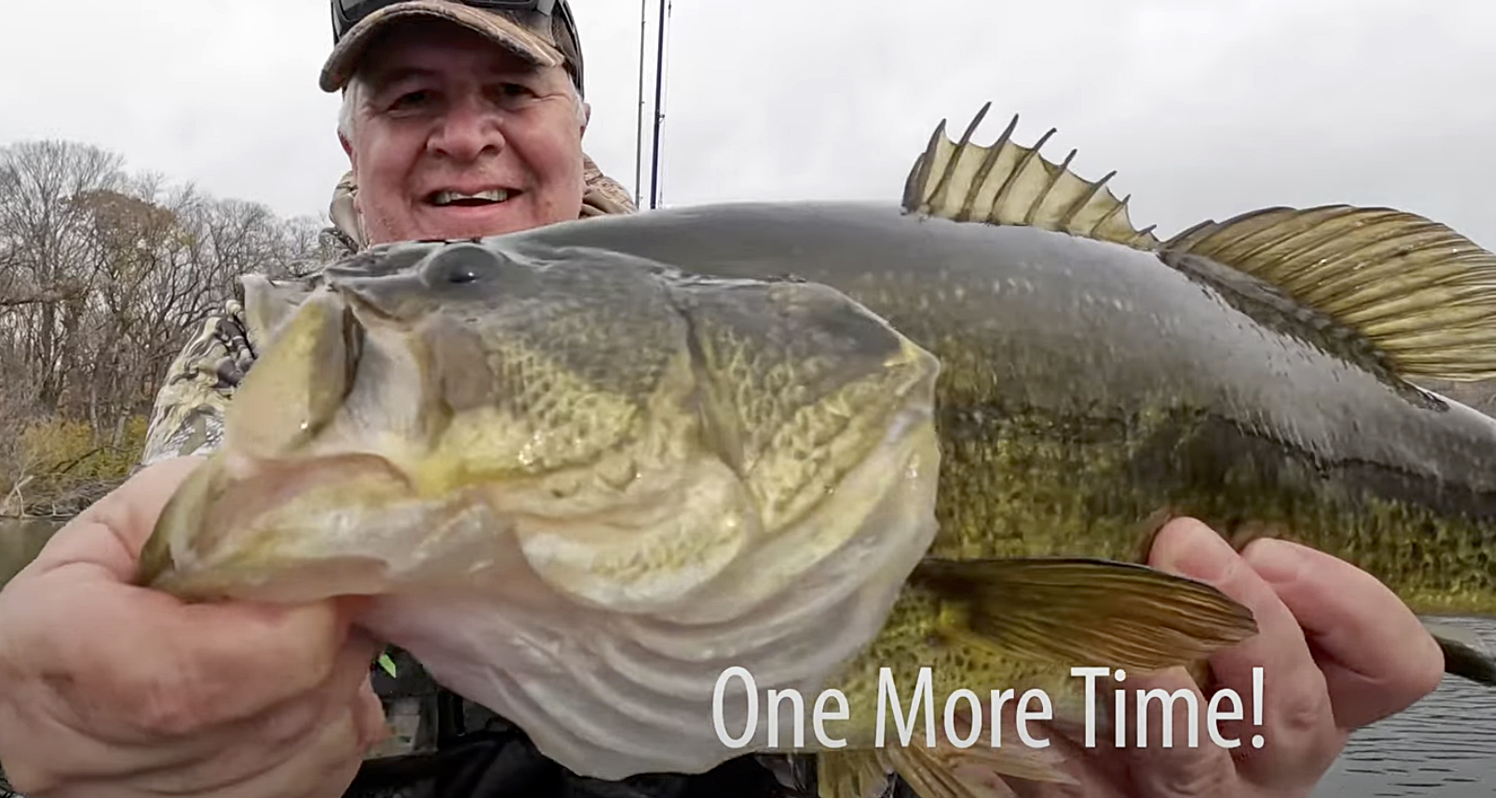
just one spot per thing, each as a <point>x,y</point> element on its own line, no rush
<point>115,691</point>
<point>1338,651</point>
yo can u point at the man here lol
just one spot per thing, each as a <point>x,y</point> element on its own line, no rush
<point>463,119</point>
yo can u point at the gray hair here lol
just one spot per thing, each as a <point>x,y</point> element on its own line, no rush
<point>349,109</point>
<point>353,94</point>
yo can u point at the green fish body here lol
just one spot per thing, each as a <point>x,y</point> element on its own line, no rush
<point>1260,374</point>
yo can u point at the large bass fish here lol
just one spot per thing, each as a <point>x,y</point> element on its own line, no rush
<point>587,469</point>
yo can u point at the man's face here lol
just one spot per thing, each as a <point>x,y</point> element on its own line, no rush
<point>450,121</point>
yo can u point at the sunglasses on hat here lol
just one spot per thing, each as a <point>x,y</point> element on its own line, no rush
<point>560,29</point>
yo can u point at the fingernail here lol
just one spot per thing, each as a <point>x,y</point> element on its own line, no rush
<point>1202,553</point>
<point>1274,560</point>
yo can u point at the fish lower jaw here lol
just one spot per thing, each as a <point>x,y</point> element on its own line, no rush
<point>278,581</point>
<point>610,691</point>
<point>640,549</point>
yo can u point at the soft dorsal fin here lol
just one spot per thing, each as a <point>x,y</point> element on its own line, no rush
<point>1009,184</point>
<point>1422,295</point>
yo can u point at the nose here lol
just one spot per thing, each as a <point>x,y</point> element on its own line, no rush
<point>470,128</point>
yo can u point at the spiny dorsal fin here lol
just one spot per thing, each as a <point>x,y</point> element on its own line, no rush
<point>1009,184</point>
<point>1421,294</point>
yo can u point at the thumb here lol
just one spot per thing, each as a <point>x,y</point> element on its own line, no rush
<point>112,531</point>
<point>369,718</point>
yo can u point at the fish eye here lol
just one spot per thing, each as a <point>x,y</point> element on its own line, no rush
<point>459,265</point>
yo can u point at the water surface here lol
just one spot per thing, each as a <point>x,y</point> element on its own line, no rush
<point>1442,747</point>
<point>21,539</point>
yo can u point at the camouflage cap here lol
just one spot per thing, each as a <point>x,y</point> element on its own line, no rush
<point>540,38</point>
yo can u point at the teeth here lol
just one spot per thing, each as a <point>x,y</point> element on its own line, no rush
<point>449,197</point>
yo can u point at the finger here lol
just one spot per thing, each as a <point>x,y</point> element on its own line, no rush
<point>111,532</point>
<point>1094,772</point>
<point>229,755</point>
<point>1377,657</point>
<point>287,727</point>
<point>322,767</point>
<point>335,781</point>
<point>1298,735</point>
<point>1176,755</point>
<point>103,746</point>
<point>165,670</point>
<point>342,691</point>
<point>221,661</point>
<point>373,728</point>
<point>1057,745</point>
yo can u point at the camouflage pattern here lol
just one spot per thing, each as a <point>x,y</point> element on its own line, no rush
<point>604,196</point>
<point>188,420</point>
<point>188,416</point>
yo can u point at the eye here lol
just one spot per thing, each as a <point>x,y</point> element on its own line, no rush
<point>412,99</point>
<point>508,93</point>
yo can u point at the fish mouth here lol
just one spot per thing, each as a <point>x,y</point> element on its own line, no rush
<point>238,529</point>
<point>300,382</point>
<point>337,360</point>
<point>354,337</point>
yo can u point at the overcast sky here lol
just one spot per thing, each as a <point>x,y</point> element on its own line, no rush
<point>1206,109</point>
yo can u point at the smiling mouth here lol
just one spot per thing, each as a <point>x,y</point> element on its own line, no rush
<point>444,198</point>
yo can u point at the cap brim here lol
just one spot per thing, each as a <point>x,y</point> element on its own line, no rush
<point>343,61</point>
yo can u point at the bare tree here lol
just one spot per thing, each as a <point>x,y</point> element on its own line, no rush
<point>44,255</point>
<point>103,275</point>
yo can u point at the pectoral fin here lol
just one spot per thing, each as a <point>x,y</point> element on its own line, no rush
<point>1086,613</point>
<point>944,771</point>
<point>850,774</point>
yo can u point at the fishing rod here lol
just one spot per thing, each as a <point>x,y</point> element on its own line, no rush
<point>659,119</point>
<point>639,112</point>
